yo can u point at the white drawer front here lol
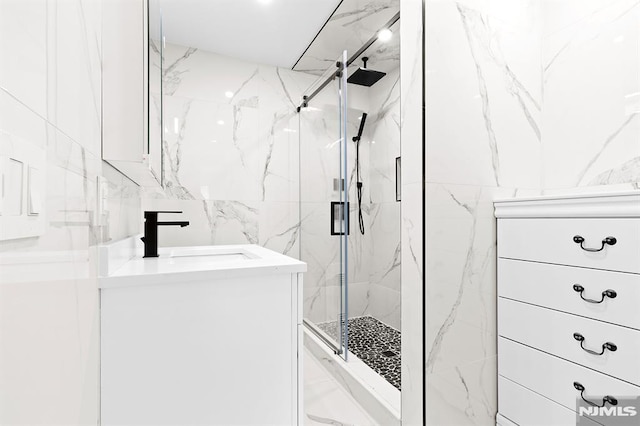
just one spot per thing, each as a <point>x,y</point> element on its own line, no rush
<point>553,286</point>
<point>554,377</point>
<point>527,408</point>
<point>503,421</point>
<point>552,241</point>
<point>553,332</point>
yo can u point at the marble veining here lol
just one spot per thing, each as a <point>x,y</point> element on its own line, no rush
<point>352,24</point>
<point>605,145</point>
<point>540,115</point>
<point>466,274</point>
<point>172,74</point>
<point>625,172</point>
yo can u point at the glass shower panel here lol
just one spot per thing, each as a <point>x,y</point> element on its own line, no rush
<point>323,216</point>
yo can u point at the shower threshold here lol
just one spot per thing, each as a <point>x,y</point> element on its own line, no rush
<point>375,343</point>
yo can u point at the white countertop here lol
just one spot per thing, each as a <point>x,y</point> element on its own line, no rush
<point>199,263</point>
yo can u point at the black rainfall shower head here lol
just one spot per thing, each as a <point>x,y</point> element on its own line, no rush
<point>364,76</point>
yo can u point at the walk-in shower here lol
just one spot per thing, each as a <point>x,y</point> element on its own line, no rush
<point>350,218</point>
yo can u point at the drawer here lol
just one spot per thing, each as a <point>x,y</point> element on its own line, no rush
<point>552,286</point>
<point>553,332</point>
<point>552,241</point>
<point>526,408</point>
<point>503,421</point>
<point>554,377</point>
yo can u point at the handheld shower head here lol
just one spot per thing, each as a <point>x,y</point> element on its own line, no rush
<point>362,121</point>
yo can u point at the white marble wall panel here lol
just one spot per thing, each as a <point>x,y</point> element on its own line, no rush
<point>48,290</point>
<point>489,131</point>
<point>23,71</point>
<point>383,135</point>
<point>591,69</point>
<point>74,70</point>
<point>50,98</point>
<point>412,234</point>
<point>230,151</point>
<point>123,216</point>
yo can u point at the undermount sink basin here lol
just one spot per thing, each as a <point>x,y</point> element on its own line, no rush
<point>211,254</point>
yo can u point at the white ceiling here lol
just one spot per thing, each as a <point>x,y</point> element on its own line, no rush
<point>274,32</point>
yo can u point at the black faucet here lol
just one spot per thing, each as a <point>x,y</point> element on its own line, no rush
<point>151,224</point>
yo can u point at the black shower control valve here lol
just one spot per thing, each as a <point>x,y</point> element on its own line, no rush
<point>359,184</point>
<point>607,293</point>
<point>607,241</point>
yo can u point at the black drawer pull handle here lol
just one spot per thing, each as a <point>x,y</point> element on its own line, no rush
<point>609,240</point>
<point>611,400</point>
<point>607,293</point>
<point>608,345</point>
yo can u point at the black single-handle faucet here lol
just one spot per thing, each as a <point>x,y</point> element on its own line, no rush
<point>151,224</point>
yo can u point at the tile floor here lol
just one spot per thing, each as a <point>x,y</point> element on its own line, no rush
<point>326,402</point>
<point>375,343</point>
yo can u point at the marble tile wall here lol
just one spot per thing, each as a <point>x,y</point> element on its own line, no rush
<point>591,80</point>
<point>523,97</point>
<point>412,214</point>
<point>50,100</point>
<point>383,135</point>
<point>230,151</point>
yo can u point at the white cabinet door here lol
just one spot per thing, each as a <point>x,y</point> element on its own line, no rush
<point>125,99</point>
<point>208,353</point>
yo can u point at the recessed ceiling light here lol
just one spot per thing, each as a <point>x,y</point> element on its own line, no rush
<point>385,34</point>
<point>228,94</point>
<point>290,130</point>
<point>220,122</point>
<point>264,1</point>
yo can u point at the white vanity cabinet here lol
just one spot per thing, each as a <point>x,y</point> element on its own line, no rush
<point>126,72</point>
<point>568,307</point>
<point>206,336</point>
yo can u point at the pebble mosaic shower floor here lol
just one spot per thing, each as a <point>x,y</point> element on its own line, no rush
<point>375,343</point>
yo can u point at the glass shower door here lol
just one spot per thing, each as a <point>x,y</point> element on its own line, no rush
<point>324,207</point>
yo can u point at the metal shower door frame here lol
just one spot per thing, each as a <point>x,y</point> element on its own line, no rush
<point>344,199</point>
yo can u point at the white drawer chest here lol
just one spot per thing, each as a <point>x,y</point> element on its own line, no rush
<point>568,308</point>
